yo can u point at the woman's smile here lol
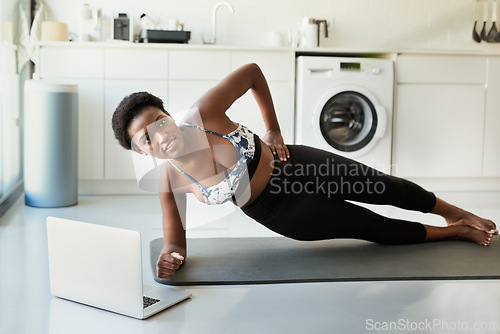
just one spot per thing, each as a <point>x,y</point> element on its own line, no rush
<point>168,145</point>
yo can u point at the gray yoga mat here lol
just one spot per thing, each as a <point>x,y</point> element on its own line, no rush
<point>219,261</point>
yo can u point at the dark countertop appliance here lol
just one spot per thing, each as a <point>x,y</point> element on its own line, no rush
<point>122,29</point>
<point>165,36</point>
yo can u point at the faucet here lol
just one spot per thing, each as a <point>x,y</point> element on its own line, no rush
<point>214,20</point>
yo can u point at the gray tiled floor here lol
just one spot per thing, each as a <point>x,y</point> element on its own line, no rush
<point>26,305</point>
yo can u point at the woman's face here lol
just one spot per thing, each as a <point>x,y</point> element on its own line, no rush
<point>155,133</point>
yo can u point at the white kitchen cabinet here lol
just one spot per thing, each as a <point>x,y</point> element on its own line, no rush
<point>199,65</point>
<point>440,116</point>
<point>279,72</point>
<point>182,94</point>
<point>190,78</point>
<point>118,163</point>
<point>441,69</point>
<point>439,131</point>
<point>60,62</point>
<point>179,76</point>
<point>136,63</point>
<point>191,74</point>
<point>90,129</point>
<point>276,65</point>
<point>247,112</point>
<point>491,166</point>
<point>8,59</point>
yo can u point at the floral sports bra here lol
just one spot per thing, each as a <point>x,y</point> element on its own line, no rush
<point>248,148</point>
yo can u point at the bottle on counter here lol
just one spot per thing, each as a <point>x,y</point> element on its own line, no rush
<point>309,33</point>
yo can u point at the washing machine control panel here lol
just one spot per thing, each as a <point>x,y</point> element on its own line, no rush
<point>351,67</point>
<point>358,67</point>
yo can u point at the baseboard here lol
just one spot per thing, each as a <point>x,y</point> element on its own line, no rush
<point>110,187</point>
<point>9,199</point>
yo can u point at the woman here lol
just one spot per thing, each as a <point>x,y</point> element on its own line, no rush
<point>297,191</point>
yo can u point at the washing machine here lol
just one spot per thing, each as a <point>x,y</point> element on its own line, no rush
<point>344,105</point>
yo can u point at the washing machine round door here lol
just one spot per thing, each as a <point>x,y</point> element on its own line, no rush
<point>349,119</point>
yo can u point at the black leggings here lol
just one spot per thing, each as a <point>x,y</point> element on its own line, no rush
<point>305,199</point>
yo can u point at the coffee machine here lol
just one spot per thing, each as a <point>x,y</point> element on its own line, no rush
<point>122,28</point>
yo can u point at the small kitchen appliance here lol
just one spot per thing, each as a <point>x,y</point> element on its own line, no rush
<point>122,28</point>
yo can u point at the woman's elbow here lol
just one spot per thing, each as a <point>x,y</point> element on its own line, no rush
<point>251,68</point>
<point>254,67</point>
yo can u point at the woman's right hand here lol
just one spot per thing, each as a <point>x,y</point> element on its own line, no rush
<point>168,262</point>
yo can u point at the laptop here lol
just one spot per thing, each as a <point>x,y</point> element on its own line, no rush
<point>101,266</point>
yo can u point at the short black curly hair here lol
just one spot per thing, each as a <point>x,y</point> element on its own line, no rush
<point>129,108</point>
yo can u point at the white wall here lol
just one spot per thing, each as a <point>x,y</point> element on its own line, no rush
<point>7,8</point>
<point>357,23</point>
<point>7,11</point>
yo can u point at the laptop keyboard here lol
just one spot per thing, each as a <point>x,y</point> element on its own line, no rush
<point>148,301</point>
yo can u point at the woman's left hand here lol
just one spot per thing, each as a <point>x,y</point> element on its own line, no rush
<point>275,142</point>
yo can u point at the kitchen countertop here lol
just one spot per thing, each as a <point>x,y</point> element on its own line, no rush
<point>493,50</point>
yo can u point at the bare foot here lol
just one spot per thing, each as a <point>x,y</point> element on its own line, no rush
<point>472,234</point>
<point>468,219</point>
<point>456,216</point>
